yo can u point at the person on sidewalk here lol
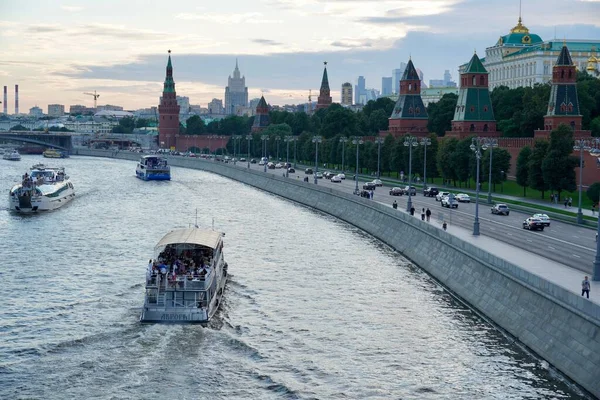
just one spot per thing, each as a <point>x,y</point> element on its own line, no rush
<point>423,214</point>
<point>395,205</point>
<point>412,210</point>
<point>585,287</point>
<point>445,225</point>
<point>566,202</point>
<point>428,214</point>
<point>593,209</point>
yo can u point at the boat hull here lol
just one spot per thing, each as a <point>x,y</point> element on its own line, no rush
<point>40,203</point>
<point>163,176</point>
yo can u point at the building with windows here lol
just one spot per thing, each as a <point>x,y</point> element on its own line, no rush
<point>360,91</point>
<point>109,107</point>
<point>396,76</point>
<point>446,82</point>
<point>215,106</point>
<point>35,111</point>
<point>386,86</point>
<point>56,110</point>
<point>236,92</point>
<point>521,58</point>
<point>435,94</point>
<point>347,94</point>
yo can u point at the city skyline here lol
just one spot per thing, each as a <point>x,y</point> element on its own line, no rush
<point>123,58</point>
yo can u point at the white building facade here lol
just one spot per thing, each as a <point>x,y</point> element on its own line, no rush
<point>56,110</point>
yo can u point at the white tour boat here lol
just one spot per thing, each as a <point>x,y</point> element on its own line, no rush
<point>42,189</point>
<point>186,279</point>
<point>153,168</point>
<point>12,155</point>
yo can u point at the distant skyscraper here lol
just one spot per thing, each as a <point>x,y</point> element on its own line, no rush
<point>360,92</point>
<point>396,76</point>
<point>446,82</point>
<point>386,86</point>
<point>236,92</point>
<point>347,94</point>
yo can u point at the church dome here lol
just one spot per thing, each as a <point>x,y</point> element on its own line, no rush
<point>520,35</point>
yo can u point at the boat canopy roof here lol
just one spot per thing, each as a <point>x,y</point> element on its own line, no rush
<point>191,236</point>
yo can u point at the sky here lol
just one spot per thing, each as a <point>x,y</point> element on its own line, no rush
<point>56,50</point>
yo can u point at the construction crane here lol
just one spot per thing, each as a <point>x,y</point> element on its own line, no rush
<point>309,101</point>
<point>96,95</point>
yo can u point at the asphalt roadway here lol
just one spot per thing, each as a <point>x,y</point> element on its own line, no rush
<point>562,242</point>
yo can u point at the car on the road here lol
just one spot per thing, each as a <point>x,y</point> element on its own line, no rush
<point>319,175</point>
<point>412,191</point>
<point>328,175</point>
<point>440,195</point>
<point>243,159</point>
<point>308,171</point>
<point>253,161</point>
<point>500,209</point>
<point>369,186</point>
<point>396,191</point>
<point>271,165</point>
<point>342,175</point>
<point>431,192</point>
<point>365,193</point>
<point>377,182</point>
<point>336,179</point>
<point>463,198</point>
<point>261,162</point>
<point>279,165</point>
<point>533,224</point>
<point>544,218</point>
<point>291,170</point>
<point>449,201</point>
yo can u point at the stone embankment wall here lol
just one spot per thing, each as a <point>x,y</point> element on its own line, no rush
<point>560,326</point>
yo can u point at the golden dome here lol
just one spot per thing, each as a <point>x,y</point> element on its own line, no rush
<point>519,28</point>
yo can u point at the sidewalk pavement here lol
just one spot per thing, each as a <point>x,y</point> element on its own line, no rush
<point>554,272</point>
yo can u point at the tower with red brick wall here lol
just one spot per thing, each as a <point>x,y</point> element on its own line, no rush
<point>261,119</point>
<point>410,114</point>
<point>324,99</point>
<point>474,115</point>
<point>563,106</point>
<point>168,112</point>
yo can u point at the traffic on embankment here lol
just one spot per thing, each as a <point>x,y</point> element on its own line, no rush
<point>557,324</point>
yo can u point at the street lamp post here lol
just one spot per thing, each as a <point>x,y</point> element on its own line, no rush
<point>379,141</point>
<point>410,142</point>
<point>287,139</point>
<point>249,139</point>
<point>490,143</point>
<point>316,140</point>
<point>502,181</point>
<point>277,140</point>
<point>236,139</point>
<point>357,141</point>
<point>477,144</point>
<point>581,145</point>
<point>425,142</point>
<point>264,140</point>
<point>343,141</point>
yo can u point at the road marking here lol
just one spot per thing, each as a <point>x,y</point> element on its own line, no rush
<point>575,255</point>
<point>576,237</point>
<point>509,234</point>
<point>529,240</point>
<point>550,247</point>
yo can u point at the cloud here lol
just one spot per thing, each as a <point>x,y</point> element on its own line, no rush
<point>71,8</point>
<point>249,18</point>
<point>267,42</point>
<point>43,28</point>
<point>352,44</point>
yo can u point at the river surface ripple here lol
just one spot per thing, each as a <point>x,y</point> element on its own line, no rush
<point>314,309</point>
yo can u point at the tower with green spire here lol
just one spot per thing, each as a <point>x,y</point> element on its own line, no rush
<point>473,115</point>
<point>410,114</point>
<point>168,111</point>
<point>324,99</point>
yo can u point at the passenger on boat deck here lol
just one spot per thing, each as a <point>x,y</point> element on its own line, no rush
<point>149,269</point>
<point>163,268</point>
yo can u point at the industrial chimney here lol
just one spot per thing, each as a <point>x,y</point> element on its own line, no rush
<point>5,104</point>
<point>16,99</point>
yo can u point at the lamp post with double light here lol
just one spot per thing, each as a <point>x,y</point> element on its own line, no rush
<point>379,141</point>
<point>595,146</point>
<point>425,142</point>
<point>295,140</point>
<point>410,142</point>
<point>249,139</point>
<point>581,145</point>
<point>236,139</point>
<point>489,143</point>
<point>357,141</point>
<point>287,140</point>
<point>277,140</point>
<point>316,140</point>
<point>343,141</point>
<point>477,144</point>
<point>264,144</point>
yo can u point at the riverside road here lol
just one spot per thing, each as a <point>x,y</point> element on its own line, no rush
<point>562,242</point>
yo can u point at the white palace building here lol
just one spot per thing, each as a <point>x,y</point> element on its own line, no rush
<point>524,59</point>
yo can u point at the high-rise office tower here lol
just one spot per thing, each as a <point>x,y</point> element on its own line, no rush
<point>386,86</point>
<point>347,94</point>
<point>360,92</point>
<point>236,92</point>
<point>397,76</point>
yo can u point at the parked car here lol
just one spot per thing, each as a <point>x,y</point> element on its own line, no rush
<point>438,197</point>
<point>291,170</point>
<point>261,162</point>
<point>449,201</point>
<point>463,198</point>
<point>342,176</point>
<point>544,218</point>
<point>271,165</point>
<point>396,191</point>
<point>431,192</point>
<point>365,193</point>
<point>377,182</point>
<point>369,186</point>
<point>336,179</point>
<point>279,165</point>
<point>328,175</point>
<point>500,209</point>
<point>319,175</point>
<point>243,159</point>
<point>412,191</point>
<point>533,224</point>
<point>253,161</point>
<point>308,171</point>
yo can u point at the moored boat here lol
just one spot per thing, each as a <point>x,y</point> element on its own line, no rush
<point>12,155</point>
<point>53,153</point>
<point>153,168</point>
<point>186,279</point>
<point>42,189</point>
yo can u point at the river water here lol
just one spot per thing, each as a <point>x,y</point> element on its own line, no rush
<point>314,308</point>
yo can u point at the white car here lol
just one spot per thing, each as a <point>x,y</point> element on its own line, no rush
<point>342,176</point>
<point>441,195</point>
<point>462,198</point>
<point>377,182</point>
<point>319,175</point>
<point>261,162</point>
<point>336,179</point>
<point>278,165</point>
<point>544,218</point>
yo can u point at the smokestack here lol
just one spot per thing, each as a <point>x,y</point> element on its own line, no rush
<point>5,101</point>
<point>16,99</point>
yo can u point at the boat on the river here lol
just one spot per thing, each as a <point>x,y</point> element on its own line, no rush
<point>186,279</point>
<point>53,153</point>
<point>153,168</point>
<point>42,189</point>
<point>12,155</point>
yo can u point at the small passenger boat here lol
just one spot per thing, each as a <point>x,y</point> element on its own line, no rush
<point>53,153</point>
<point>186,279</point>
<point>153,168</point>
<point>12,155</point>
<point>43,189</point>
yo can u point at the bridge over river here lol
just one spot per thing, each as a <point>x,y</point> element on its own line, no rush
<point>56,140</point>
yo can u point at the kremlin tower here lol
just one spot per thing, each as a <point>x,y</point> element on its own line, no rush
<point>261,119</point>
<point>324,99</point>
<point>410,114</point>
<point>168,111</point>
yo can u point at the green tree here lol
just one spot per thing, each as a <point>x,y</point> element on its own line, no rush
<point>141,123</point>
<point>195,125</point>
<point>523,168</point>
<point>378,121</point>
<point>500,164</point>
<point>558,167</point>
<point>460,160</point>
<point>593,192</point>
<point>441,114</point>
<point>126,125</point>
<point>384,104</point>
<point>443,159</point>
<point>595,127</point>
<point>535,179</point>
<point>399,156</point>
<point>338,120</point>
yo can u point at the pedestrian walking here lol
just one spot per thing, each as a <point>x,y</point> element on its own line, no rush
<point>593,209</point>
<point>570,201</point>
<point>412,211</point>
<point>423,214</point>
<point>566,202</point>
<point>445,225</point>
<point>428,214</point>
<point>552,198</point>
<point>395,205</point>
<point>585,287</point>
